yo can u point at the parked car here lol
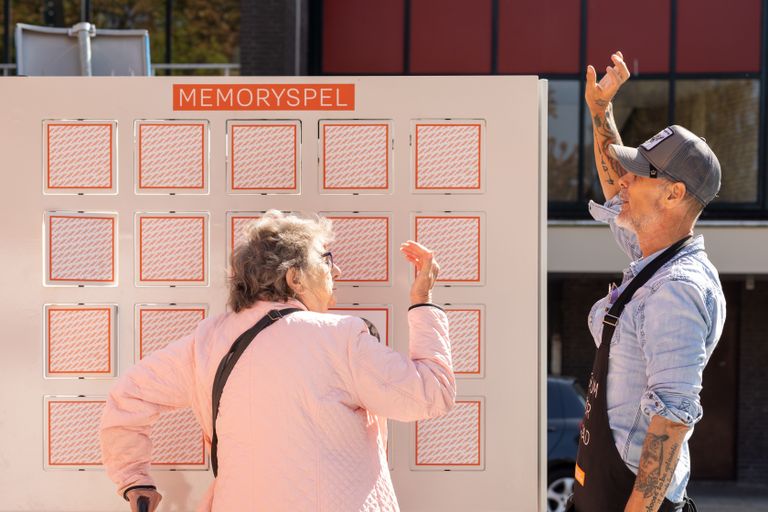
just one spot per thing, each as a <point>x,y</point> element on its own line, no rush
<point>565,410</point>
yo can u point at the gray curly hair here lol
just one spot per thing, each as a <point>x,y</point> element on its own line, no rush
<point>275,243</point>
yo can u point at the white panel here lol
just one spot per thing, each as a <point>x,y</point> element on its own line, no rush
<point>80,340</point>
<point>454,441</point>
<point>263,156</point>
<point>79,157</point>
<point>361,247</point>
<point>187,171</point>
<point>448,156</point>
<point>171,157</point>
<point>72,432</point>
<point>80,248</point>
<point>171,249</point>
<point>467,339</point>
<point>157,325</point>
<point>356,156</point>
<point>458,242</point>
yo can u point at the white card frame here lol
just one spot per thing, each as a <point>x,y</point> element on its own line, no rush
<point>231,125</point>
<point>48,189</point>
<point>140,189</point>
<point>111,342</point>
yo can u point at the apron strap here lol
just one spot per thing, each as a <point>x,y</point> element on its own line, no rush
<point>613,314</point>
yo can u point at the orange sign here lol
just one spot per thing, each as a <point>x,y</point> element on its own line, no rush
<point>263,96</point>
<point>580,475</point>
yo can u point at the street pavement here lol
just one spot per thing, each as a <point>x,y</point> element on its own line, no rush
<point>728,497</point>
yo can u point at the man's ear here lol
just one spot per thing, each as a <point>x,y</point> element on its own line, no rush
<point>293,279</point>
<point>676,192</point>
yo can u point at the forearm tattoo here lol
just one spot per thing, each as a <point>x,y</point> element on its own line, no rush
<point>606,134</point>
<point>657,463</point>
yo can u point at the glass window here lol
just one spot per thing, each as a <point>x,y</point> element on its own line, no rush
<point>726,113</point>
<point>563,140</point>
<point>641,109</point>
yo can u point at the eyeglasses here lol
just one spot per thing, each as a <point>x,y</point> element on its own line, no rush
<point>328,258</point>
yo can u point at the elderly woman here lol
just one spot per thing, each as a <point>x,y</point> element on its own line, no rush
<point>301,422</point>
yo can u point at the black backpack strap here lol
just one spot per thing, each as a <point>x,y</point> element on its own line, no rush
<point>613,314</point>
<point>227,364</point>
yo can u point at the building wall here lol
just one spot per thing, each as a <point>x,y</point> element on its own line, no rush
<point>752,447</point>
<point>268,37</point>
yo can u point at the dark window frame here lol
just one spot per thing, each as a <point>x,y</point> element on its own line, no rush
<point>757,210</point>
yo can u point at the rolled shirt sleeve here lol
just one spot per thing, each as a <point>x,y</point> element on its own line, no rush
<point>607,213</point>
<point>674,331</point>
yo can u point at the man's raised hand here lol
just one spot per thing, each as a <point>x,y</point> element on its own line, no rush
<point>600,94</point>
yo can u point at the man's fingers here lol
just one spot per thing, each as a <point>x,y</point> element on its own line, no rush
<point>613,73</point>
<point>620,66</point>
<point>591,76</point>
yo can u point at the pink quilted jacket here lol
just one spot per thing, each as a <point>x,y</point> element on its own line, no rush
<point>302,421</point>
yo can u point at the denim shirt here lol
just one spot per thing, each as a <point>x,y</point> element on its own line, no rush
<point>662,342</point>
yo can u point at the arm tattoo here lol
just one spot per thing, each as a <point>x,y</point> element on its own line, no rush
<point>598,129</point>
<point>606,134</point>
<point>656,468</point>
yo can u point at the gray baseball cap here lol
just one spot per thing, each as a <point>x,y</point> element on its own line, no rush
<point>678,155</point>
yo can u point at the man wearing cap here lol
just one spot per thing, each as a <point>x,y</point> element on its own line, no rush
<point>656,331</point>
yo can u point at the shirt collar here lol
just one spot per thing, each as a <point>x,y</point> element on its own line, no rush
<point>638,265</point>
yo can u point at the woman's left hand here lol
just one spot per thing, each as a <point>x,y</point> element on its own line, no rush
<point>426,270</point>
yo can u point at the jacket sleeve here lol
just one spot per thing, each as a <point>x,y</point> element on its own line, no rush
<point>392,385</point>
<point>161,382</point>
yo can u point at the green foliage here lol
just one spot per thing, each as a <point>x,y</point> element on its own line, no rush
<point>202,31</point>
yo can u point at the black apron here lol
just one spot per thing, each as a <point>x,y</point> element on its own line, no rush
<point>603,481</point>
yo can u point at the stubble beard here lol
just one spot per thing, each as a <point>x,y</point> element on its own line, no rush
<point>635,224</point>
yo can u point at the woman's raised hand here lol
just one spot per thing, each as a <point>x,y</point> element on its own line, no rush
<point>426,270</point>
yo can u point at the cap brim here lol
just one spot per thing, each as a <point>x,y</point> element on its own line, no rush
<point>631,159</point>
